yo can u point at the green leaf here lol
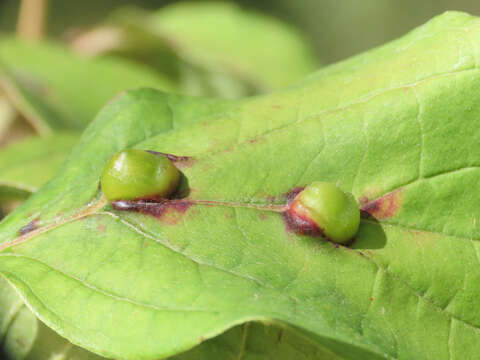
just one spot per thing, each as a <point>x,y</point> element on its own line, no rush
<point>26,165</point>
<point>211,48</point>
<point>398,127</point>
<point>56,89</point>
<point>257,341</point>
<point>23,336</point>
<point>37,112</point>
<point>265,52</point>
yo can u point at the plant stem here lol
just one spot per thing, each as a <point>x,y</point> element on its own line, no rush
<point>32,19</point>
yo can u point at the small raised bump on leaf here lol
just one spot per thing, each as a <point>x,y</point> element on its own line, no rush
<point>324,209</point>
<point>137,174</point>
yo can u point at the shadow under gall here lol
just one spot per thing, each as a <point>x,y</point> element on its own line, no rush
<point>370,234</point>
<point>183,189</point>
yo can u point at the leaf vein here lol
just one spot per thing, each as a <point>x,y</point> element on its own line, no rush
<point>427,300</point>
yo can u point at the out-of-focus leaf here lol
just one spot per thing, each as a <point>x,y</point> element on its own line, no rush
<point>7,116</point>
<point>24,337</point>
<point>210,48</point>
<point>56,89</point>
<point>28,100</point>
<point>261,50</point>
<point>28,164</point>
<point>12,126</point>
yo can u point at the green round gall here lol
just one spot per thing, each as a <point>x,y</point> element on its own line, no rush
<point>335,213</point>
<point>138,174</point>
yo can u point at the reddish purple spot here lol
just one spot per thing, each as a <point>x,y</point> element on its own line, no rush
<point>169,211</point>
<point>300,224</point>
<point>384,207</point>
<point>270,198</point>
<point>32,225</point>
<point>180,161</point>
<point>290,196</point>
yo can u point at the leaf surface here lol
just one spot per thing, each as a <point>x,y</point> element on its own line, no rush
<point>397,126</point>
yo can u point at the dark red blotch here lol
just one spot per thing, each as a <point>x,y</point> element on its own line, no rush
<point>384,207</point>
<point>154,208</point>
<point>181,161</point>
<point>297,223</point>
<point>301,225</point>
<point>32,225</point>
<point>292,194</point>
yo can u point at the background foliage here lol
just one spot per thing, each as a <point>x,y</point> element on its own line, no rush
<point>337,29</point>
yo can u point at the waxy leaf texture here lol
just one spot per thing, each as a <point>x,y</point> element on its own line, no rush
<point>397,126</point>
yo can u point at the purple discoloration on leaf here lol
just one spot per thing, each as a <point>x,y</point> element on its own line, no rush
<point>169,211</point>
<point>32,225</point>
<point>290,196</point>
<point>385,206</point>
<point>300,225</point>
<point>171,157</point>
<point>270,199</point>
<point>297,223</point>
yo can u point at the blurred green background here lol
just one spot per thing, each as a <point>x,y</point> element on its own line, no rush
<point>337,29</point>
